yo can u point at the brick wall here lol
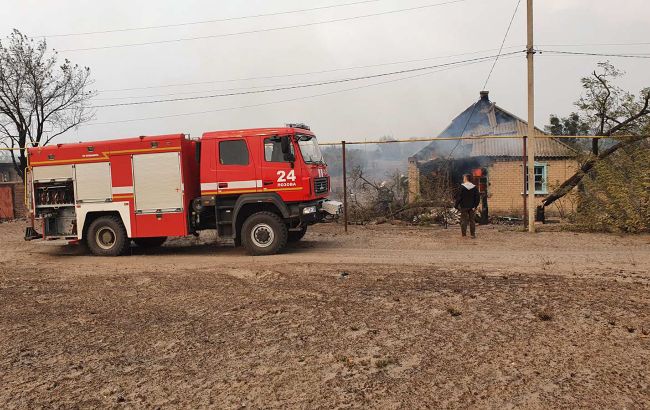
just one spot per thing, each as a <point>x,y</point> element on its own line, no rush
<point>506,186</point>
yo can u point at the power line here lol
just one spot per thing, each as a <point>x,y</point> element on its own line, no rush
<point>471,114</point>
<point>577,53</point>
<point>298,74</point>
<point>279,101</point>
<point>197,92</point>
<point>292,87</point>
<point>502,44</point>
<point>595,44</point>
<point>190,23</point>
<point>265,30</point>
<point>279,76</point>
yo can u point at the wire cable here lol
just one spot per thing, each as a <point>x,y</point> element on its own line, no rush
<point>471,114</point>
<point>595,44</point>
<point>302,74</point>
<point>505,37</point>
<point>265,30</point>
<point>278,101</point>
<point>191,23</point>
<point>577,53</point>
<point>293,87</point>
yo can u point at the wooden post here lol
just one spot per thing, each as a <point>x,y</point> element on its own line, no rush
<point>345,187</point>
<point>524,158</point>
<point>530,53</point>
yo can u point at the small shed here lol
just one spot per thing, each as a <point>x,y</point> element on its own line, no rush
<point>12,193</point>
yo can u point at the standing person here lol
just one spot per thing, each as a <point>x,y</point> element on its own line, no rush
<point>467,200</point>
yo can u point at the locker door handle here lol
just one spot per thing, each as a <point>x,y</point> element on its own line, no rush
<point>223,185</point>
<point>268,183</point>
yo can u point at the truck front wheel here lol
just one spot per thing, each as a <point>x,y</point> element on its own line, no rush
<point>106,236</point>
<point>264,233</point>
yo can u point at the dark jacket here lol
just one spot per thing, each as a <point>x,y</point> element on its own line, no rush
<point>467,196</point>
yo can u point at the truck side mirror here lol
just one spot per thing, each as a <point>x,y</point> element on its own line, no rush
<point>285,144</point>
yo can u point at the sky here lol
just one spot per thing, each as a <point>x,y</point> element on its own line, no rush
<point>420,106</point>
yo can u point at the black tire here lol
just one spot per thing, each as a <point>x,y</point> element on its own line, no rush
<point>150,242</point>
<point>264,233</point>
<point>295,236</point>
<point>106,236</point>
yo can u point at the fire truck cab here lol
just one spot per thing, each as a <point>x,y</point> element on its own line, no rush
<point>259,188</point>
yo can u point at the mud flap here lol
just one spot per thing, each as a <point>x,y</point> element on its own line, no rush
<point>31,234</point>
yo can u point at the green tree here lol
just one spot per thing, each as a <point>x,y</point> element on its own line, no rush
<point>571,125</point>
<point>617,198</point>
<point>610,111</point>
<point>40,99</point>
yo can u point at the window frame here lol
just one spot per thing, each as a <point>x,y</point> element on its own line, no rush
<point>544,175</point>
<point>238,140</point>
<point>292,150</point>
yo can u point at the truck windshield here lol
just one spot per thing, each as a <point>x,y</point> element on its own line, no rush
<point>309,149</point>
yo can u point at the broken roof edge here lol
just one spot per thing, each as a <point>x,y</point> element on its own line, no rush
<point>519,130</point>
<point>509,158</point>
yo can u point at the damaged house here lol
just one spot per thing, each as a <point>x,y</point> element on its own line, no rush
<point>496,164</point>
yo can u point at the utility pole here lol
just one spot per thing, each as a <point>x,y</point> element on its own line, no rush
<point>530,53</point>
<point>345,187</point>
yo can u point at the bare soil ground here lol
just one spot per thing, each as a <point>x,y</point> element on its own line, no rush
<point>384,317</point>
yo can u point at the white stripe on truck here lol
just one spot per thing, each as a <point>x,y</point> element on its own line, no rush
<point>214,186</point>
<point>117,190</point>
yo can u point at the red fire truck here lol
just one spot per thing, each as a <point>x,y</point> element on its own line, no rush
<point>259,188</point>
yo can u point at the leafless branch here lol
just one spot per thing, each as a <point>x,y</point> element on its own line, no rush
<point>40,99</point>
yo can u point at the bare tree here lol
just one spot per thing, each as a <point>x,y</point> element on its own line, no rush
<point>614,113</point>
<point>39,100</point>
<point>610,109</point>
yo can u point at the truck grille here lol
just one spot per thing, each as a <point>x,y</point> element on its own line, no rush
<point>321,185</point>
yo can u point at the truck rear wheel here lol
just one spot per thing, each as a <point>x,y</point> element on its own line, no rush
<point>264,233</point>
<point>150,242</point>
<point>295,236</point>
<point>106,236</point>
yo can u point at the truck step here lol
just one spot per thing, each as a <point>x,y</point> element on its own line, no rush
<point>226,242</point>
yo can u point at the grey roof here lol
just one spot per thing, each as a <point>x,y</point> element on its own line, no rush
<point>485,118</point>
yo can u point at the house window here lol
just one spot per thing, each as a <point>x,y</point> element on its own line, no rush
<point>233,152</point>
<point>273,150</point>
<point>541,184</point>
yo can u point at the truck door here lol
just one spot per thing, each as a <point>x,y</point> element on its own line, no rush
<point>236,170</point>
<point>280,172</point>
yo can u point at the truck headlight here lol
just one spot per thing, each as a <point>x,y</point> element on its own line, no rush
<point>309,210</point>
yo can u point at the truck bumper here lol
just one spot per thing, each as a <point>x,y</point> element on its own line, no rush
<point>334,208</point>
<point>315,211</point>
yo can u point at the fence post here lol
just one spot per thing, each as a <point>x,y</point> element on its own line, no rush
<point>345,187</point>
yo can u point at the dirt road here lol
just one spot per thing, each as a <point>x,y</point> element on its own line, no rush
<point>385,317</point>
